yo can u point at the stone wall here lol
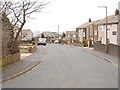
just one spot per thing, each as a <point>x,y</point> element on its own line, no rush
<point>33,49</point>
<point>0,36</point>
<point>9,59</point>
<point>30,48</point>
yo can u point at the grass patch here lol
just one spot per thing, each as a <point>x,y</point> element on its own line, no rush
<point>22,50</point>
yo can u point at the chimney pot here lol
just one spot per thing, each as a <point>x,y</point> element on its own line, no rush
<point>116,12</point>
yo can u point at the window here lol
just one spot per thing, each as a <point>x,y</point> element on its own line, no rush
<point>114,33</point>
<point>108,27</point>
<point>101,39</point>
<point>74,35</point>
<point>100,28</point>
<point>68,35</point>
<point>95,32</point>
<point>83,34</point>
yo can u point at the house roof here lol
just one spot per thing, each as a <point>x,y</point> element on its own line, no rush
<point>25,31</point>
<point>55,34</point>
<point>110,19</point>
<point>86,24</point>
<point>70,32</point>
<point>49,34</point>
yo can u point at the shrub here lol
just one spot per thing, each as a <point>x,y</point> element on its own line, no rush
<point>85,42</point>
<point>33,42</point>
<point>77,41</point>
<point>63,41</point>
<point>99,41</point>
<point>90,43</point>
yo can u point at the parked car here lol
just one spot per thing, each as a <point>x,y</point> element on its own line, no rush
<point>41,41</point>
<point>56,41</point>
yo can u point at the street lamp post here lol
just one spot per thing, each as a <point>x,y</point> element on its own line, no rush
<point>58,32</point>
<point>106,46</point>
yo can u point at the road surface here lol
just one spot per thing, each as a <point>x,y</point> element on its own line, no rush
<point>68,67</point>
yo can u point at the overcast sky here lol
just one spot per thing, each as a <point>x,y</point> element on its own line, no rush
<point>69,14</point>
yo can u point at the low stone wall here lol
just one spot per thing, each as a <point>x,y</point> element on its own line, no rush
<point>76,44</point>
<point>80,44</point>
<point>10,59</point>
<point>33,49</point>
<point>71,43</point>
<point>119,53</point>
<point>30,49</point>
<point>112,49</point>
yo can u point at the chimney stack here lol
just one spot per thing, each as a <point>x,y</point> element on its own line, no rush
<point>116,12</point>
<point>89,19</point>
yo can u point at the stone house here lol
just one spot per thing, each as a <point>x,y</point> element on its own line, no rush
<point>27,34</point>
<point>50,36</point>
<point>15,32</point>
<point>70,36</point>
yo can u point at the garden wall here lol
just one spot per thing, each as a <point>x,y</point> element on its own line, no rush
<point>112,49</point>
<point>9,59</point>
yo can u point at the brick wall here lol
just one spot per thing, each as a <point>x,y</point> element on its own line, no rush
<point>95,33</point>
<point>112,49</point>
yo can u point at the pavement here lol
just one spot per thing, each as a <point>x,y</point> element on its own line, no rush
<point>27,62</point>
<point>24,55</point>
<point>110,58</point>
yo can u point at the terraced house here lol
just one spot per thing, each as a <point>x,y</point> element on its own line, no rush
<point>70,36</point>
<point>112,32</point>
<point>85,31</point>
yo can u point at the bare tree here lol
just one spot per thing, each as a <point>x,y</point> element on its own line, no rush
<point>20,12</point>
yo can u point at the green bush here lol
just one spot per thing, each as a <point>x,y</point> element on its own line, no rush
<point>99,41</point>
<point>27,41</point>
<point>91,43</point>
<point>33,42</point>
<point>23,50</point>
<point>85,42</point>
<point>77,41</point>
<point>33,39</point>
<point>63,41</point>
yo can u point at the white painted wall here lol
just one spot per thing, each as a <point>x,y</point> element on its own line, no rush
<point>111,37</point>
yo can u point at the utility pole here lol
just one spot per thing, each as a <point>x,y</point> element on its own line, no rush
<point>106,46</point>
<point>58,32</point>
<point>118,34</point>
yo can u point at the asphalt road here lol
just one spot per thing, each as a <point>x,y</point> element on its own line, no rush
<point>68,67</point>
